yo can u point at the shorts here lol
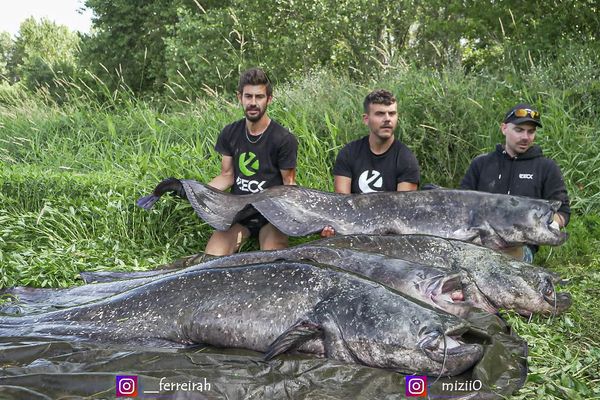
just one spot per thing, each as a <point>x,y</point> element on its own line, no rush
<point>254,223</point>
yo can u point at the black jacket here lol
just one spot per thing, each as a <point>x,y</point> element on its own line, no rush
<point>529,174</point>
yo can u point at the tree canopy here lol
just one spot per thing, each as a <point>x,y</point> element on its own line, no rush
<point>192,47</point>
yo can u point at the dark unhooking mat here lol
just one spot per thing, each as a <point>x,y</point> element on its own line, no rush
<point>50,369</point>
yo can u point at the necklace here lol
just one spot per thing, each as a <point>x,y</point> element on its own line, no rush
<point>258,137</point>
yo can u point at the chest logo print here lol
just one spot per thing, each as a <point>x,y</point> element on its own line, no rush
<point>525,176</point>
<point>370,181</point>
<point>248,163</point>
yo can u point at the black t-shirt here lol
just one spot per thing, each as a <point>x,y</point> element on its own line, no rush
<point>257,164</point>
<point>376,173</point>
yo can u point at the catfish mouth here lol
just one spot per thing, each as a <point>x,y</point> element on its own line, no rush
<point>450,350</point>
<point>450,290</point>
<point>447,293</point>
<point>459,299</point>
<point>559,302</point>
<point>549,301</point>
<point>554,229</point>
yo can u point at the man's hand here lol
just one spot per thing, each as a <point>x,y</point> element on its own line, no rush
<point>328,231</point>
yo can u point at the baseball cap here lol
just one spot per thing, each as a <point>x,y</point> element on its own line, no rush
<point>522,113</point>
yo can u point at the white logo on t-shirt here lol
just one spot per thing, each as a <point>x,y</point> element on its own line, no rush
<point>370,181</point>
<point>525,176</point>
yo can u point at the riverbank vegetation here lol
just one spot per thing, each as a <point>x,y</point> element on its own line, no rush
<point>81,141</point>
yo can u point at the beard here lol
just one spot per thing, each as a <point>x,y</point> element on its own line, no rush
<point>254,118</point>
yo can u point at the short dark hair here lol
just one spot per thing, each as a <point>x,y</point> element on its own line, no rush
<point>380,96</point>
<point>255,76</point>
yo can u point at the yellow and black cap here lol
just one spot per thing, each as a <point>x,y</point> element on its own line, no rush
<point>522,113</point>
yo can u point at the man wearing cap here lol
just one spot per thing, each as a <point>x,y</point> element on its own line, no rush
<point>519,168</point>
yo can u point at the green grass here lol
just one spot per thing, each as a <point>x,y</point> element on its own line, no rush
<point>564,351</point>
<point>70,175</point>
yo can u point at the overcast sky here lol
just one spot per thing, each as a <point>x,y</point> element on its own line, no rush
<point>64,12</point>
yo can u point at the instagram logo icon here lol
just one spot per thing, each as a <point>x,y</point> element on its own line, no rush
<point>416,386</point>
<point>127,386</point>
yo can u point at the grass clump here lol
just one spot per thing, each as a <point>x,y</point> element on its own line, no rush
<point>564,355</point>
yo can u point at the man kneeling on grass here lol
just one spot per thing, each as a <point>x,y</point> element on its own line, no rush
<point>257,153</point>
<point>518,167</point>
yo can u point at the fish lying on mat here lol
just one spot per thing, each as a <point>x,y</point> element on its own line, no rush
<point>271,308</point>
<point>437,287</point>
<point>447,274</point>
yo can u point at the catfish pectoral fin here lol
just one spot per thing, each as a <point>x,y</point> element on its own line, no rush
<point>294,337</point>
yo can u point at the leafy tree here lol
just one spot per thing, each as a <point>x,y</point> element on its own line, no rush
<point>196,46</point>
<point>6,46</point>
<point>207,49</point>
<point>127,43</point>
<point>43,52</point>
<point>492,33</point>
<point>288,38</point>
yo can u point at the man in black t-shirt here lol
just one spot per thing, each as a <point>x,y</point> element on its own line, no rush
<point>377,162</point>
<point>519,168</point>
<point>257,153</point>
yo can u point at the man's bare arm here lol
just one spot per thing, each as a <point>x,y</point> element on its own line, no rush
<point>224,180</point>
<point>288,176</point>
<point>406,187</point>
<point>342,184</point>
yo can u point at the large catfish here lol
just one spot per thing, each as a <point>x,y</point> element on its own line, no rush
<point>271,308</point>
<point>435,286</point>
<point>447,274</point>
<point>489,277</point>
<point>493,220</point>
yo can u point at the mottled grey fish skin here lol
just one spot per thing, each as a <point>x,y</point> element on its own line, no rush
<point>493,220</point>
<point>488,276</point>
<point>433,286</point>
<point>270,308</point>
<point>44,299</point>
<point>217,208</point>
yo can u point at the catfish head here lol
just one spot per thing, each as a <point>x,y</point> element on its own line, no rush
<point>386,330</point>
<point>527,290</point>
<point>516,220</point>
